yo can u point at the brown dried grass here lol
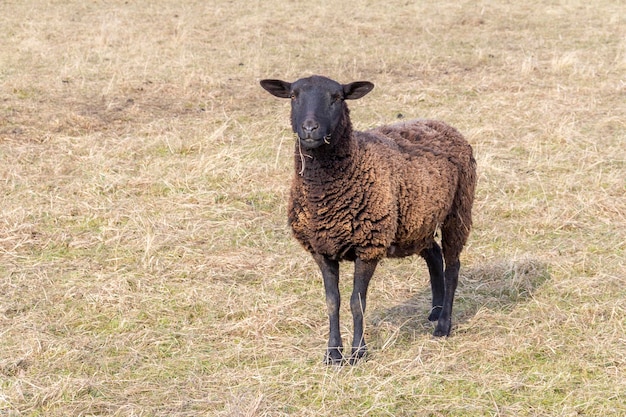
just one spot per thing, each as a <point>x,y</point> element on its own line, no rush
<point>146,267</point>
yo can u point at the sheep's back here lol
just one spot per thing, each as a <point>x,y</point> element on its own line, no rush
<point>423,136</point>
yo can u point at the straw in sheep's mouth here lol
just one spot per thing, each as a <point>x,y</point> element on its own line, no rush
<point>302,155</point>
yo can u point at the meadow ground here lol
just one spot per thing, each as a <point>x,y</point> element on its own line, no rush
<point>146,267</point>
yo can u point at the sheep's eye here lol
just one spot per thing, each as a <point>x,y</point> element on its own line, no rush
<point>293,96</point>
<point>336,98</point>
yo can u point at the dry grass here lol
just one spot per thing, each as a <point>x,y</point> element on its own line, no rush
<point>146,267</point>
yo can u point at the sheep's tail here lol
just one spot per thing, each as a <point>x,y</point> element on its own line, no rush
<point>456,228</point>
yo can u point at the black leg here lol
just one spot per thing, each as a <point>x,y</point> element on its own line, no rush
<point>330,273</point>
<point>434,260</point>
<point>444,324</point>
<point>363,271</point>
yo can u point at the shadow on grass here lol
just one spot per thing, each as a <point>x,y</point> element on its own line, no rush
<point>496,286</point>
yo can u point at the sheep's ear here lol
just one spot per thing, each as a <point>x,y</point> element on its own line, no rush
<point>356,89</point>
<point>277,88</point>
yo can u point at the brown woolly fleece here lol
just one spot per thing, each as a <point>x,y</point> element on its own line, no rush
<point>384,192</point>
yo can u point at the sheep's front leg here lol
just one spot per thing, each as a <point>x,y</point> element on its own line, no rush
<point>330,274</point>
<point>363,271</point>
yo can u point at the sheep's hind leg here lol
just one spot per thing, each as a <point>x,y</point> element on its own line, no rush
<point>434,260</point>
<point>454,234</point>
<point>330,274</point>
<point>444,323</point>
<point>363,271</point>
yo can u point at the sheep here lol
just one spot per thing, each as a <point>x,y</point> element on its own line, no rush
<point>385,192</point>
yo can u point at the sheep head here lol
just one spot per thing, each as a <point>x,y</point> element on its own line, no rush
<point>317,105</point>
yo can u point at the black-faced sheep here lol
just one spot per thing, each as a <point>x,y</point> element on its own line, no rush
<point>363,196</point>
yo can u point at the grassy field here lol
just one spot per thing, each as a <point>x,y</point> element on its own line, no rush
<point>146,267</point>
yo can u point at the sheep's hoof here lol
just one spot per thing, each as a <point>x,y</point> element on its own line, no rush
<point>434,314</point>
<point>443,329</point>
<point>333,356</point>
<point>358,354</point>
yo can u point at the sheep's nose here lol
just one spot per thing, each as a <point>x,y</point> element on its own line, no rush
<point>310,125</point>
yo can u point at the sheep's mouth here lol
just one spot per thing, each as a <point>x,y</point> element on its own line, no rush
<point>311,143</point>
